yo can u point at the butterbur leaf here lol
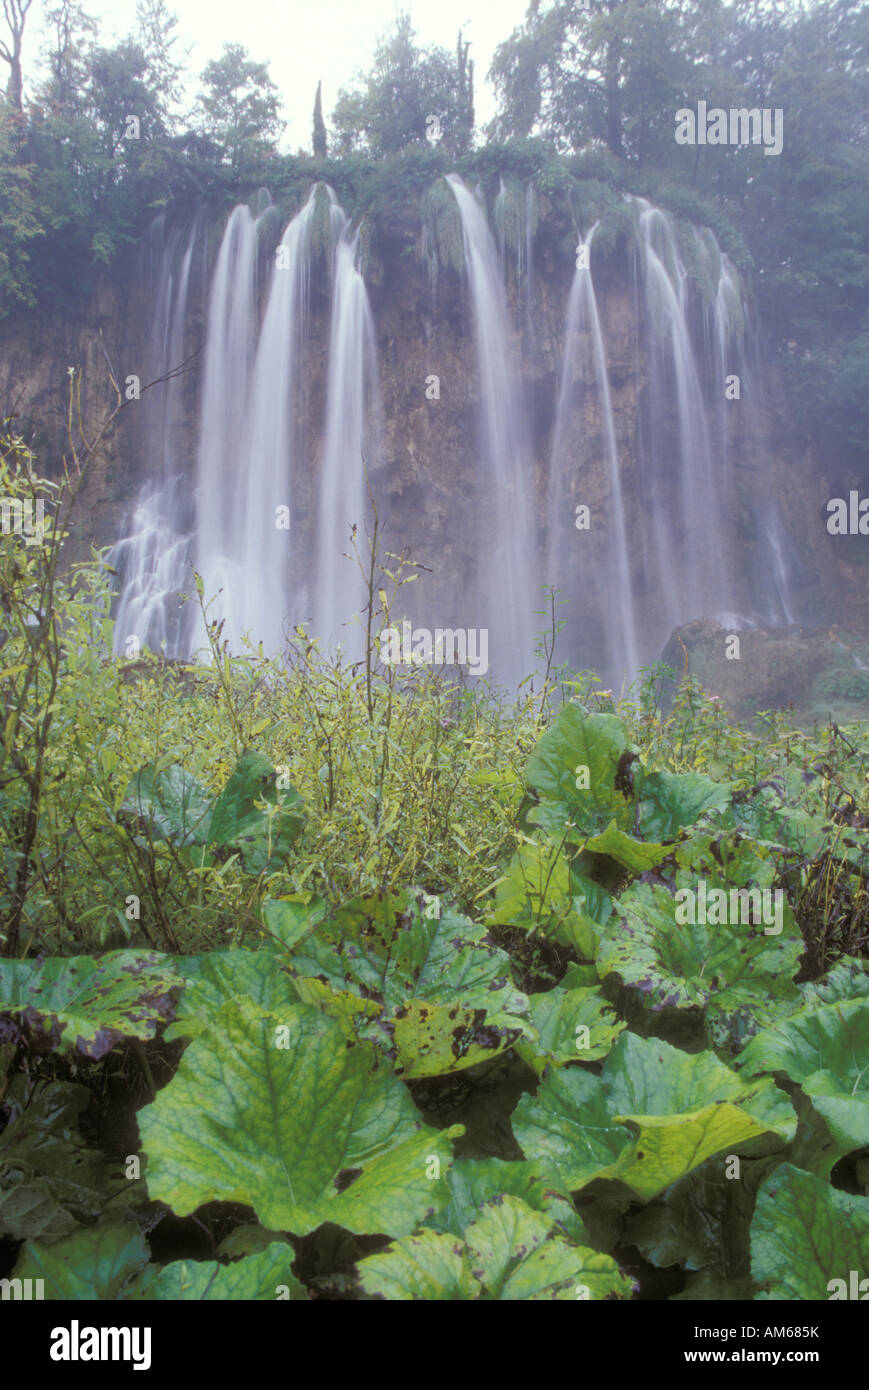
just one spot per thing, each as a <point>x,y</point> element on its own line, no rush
<point>534,888</point>
<point>239,821</point>
<point>567,1273</point>
<point>568,1125</point>
<point>93,1264</point>
<point>472,1182</point>
<point>444,990</point>
<point>848,979</point>
<point>261,1277</point>
<point>573,1025</point>
<point>288,921</point>
<point>702,1221</point>
<point>807,1237</point>
<point>630,853</point>
<point>673,800</point>
<point>720,971</point>
<point>578,740</point>
<point>504,1234</point>
<point>50,1182</point>
<point>509,1253</point>
<point>212,979</point>
<point>90,1004</point>
<point>653,1116</point>
<point>303,1125</point>
<point>428,1267</point>
<point>824,1050</point>
<point>169,804</point>
<point>686,1108</point>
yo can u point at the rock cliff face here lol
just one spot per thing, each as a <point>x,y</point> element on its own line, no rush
<point>426,482</point>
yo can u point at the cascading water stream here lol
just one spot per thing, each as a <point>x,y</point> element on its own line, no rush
<point>247,452</point>
<point>255,460</point>
<point>229,358</point>
<point>685,492</point>
<point>153,560</point>
<point>350,446</point>
<point>614,597</point>
<point>507,582</point>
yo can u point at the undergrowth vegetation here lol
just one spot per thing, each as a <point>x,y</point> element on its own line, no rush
<point>367,983</point>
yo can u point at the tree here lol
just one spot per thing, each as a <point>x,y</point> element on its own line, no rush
<point>393,105</point>
<point>72,32</point>
<point>320,146</point>
<point>19,223</point>
<point>158,41</point>
<point>239,109</point>
<point>610,72</point>
<point>15,14</point>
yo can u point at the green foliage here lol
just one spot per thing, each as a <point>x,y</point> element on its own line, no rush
<point>409,964</point>
<point>239,105</point>
<point>88,1004</point>
<point>804,1235</point>
<point>392,106</point>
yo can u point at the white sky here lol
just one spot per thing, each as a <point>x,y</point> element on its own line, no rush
<point>312,39</point>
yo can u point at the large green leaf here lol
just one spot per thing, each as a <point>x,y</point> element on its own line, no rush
<point>805,1234</point>
<point>576,740</point>
<point>167,804</point>
<point>672,800</point>
<point>848,979</point>
<point>534,890</point>
<point>702,1222</point>
<point>444,990</point>
<point>50,1182</point>
<point>653,1116</point>
<point>86,1003</point>
<point>472,1182</point>
<point>289,920</point>
<point>510,1253</point>
<point>265,1277</point>
<point>726,972</point>
<point>239,820</point>
<point>573,1025</point>
<point>281,1111</point>
<point>686,1108</point>
<point>428,1267</point>
<point>212,979</point>
<point>93,1264</point>
<point>825,1050</point>
<point>569,1125</point>
<point>625,850</point>
<point>515,1255</point>
<point>170,804</point>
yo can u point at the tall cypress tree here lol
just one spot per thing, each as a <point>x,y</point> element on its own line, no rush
<point>320,148</point>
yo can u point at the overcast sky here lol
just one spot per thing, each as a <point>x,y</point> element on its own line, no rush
<point>304,40</point>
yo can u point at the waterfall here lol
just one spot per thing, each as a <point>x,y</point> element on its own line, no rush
<point>773,569</point>
<point>349,447</point>
<point>247,449</point>
<point>268,509</point>
<point>152,561</point>
<point>610,588</point>
<point>683,482</point>
<point>508,583</point>
<point>221,460</point>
